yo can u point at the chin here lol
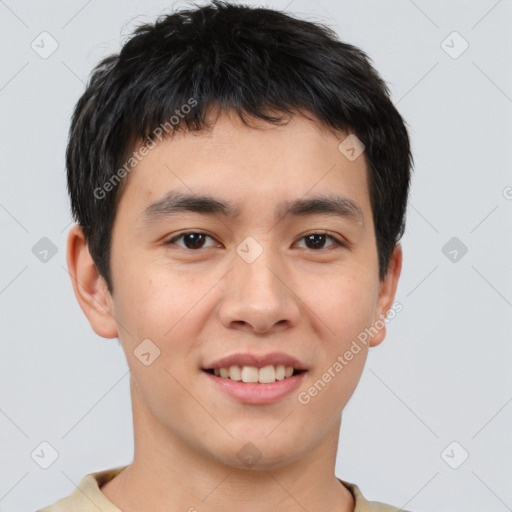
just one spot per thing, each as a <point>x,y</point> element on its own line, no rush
<point>258,453</point>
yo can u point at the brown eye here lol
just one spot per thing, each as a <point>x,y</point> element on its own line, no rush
<point>191,240</point>
<point>317,241</point>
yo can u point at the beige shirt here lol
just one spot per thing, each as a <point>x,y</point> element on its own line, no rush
<point>88,497</point>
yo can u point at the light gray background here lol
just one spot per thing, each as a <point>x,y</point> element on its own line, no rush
<point>443,372</point>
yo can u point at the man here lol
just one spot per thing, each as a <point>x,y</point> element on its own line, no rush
<point>239,179</point>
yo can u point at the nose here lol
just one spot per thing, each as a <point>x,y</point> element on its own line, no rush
<point>259,296</point>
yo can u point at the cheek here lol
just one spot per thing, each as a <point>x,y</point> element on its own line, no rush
<point>154,307</point>
<point>169,310</point>
<point>346,304</point>
<point>151,304</point>
<point>346,308</point>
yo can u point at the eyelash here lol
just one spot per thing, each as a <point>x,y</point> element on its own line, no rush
<point>181,235</point>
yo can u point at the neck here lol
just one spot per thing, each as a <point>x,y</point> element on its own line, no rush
<point>168,474</point>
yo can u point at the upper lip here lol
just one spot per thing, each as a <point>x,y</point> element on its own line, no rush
<point>246,359</point>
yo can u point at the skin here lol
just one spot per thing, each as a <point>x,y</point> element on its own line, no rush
<point>198,305</point>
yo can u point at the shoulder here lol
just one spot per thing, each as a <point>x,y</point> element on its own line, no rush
<point>364,505</point>
<point>87,497</point>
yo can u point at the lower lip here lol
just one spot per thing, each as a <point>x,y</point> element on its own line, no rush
<point>257,394</point>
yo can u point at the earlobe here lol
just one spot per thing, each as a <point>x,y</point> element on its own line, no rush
<point>89,286</point>
<point>387,295</point>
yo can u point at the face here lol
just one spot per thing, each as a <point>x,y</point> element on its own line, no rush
<point>270,279</point>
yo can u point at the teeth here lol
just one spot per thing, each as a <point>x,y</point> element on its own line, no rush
<point>251,374</point>
<point>267,374</point>
<point>235,373</point>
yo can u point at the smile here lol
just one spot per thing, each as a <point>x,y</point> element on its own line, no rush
<point>252,374</point>
<point>256,392</point>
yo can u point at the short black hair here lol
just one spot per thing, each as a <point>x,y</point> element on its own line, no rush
<point>257,62</point>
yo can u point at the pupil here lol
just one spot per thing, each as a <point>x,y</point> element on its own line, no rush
<point>195,238</point>
<point>315,245</point>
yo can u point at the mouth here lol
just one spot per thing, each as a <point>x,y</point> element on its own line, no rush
<point>254,375</point>
<point>256,379</point>
<point>263,391</point>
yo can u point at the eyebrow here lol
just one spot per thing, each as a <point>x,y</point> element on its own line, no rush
<point>174,203</point>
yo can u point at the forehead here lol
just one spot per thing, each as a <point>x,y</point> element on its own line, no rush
<point>249,167</point>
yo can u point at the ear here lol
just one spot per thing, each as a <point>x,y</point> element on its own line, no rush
<point>89,286</point>
<point>387,292</point>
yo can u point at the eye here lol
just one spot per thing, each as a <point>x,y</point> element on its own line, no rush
<point>192,240</point>
<point>316,241</point>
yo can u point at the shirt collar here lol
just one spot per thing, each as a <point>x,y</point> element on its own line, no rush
<point>88,494</point>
